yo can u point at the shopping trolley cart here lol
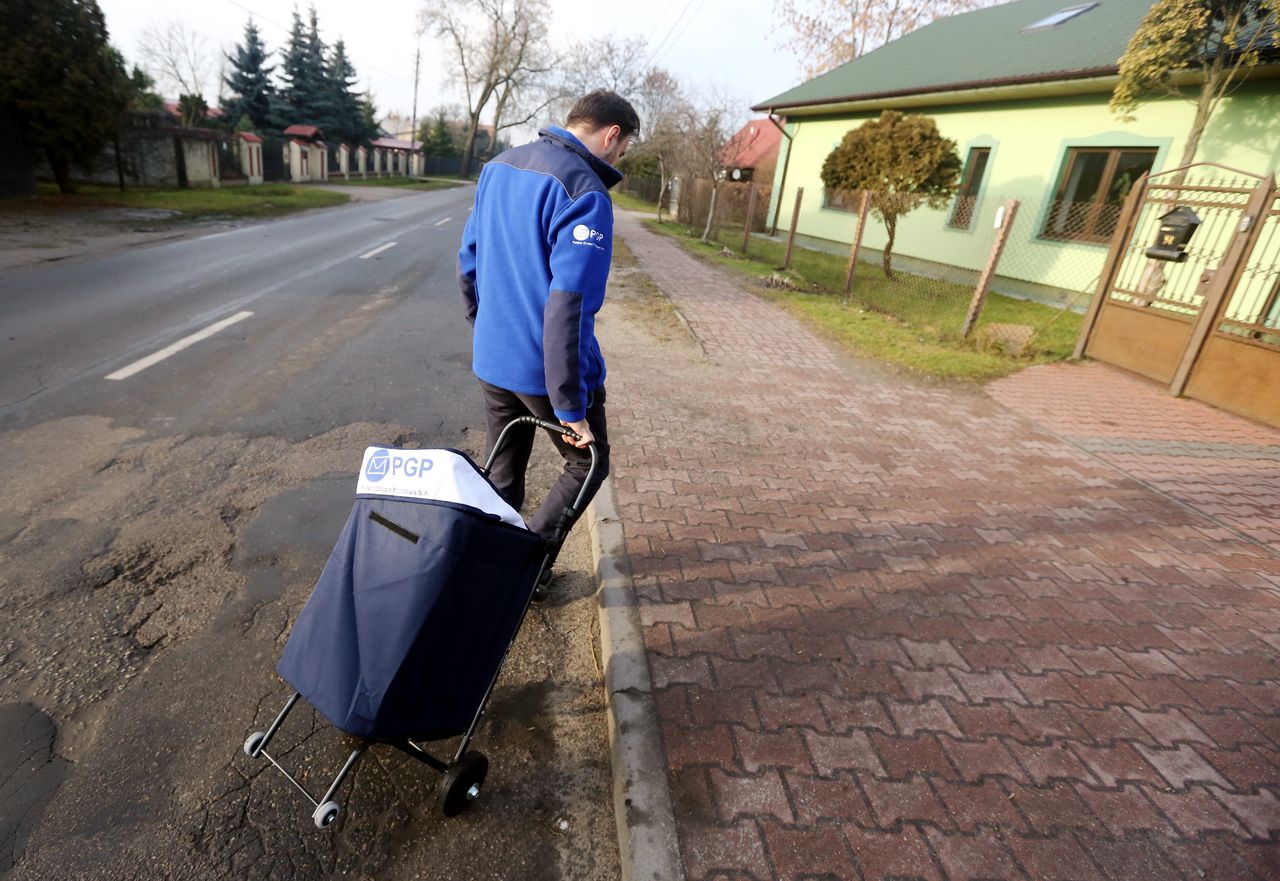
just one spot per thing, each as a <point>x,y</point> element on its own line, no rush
<point>407,628</point>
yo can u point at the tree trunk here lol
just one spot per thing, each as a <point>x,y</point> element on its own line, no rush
<point>711,213</point>
<point>469,147</point>
<point>62,173</point>
<point>886,262</point>
<point>1207,99</point>
<point>1204,109</point>
<point>662,185</point>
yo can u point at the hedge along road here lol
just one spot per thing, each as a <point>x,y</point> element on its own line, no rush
<point>161,528</point>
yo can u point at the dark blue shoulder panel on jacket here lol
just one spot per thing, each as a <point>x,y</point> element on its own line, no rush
<point>551,159</point>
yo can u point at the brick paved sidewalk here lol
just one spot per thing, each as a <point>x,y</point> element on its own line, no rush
<point>898,631</point>
<point>1225,467</point>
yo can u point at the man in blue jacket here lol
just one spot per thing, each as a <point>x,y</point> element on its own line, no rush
<point>533,266</point>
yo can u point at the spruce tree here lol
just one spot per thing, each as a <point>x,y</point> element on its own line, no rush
<point>437,138</point>
<point>368,119</point>
<point>345,103</point>
<point>249,82</point>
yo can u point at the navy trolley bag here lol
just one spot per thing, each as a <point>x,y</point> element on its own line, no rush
<point>405,632</point>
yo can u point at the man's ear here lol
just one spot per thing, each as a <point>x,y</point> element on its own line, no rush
<point>612,136</point>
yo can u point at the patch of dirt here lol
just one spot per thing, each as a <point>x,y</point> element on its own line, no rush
<point>42,230</point>
<point>147,586</point>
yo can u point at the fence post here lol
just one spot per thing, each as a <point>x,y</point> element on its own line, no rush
<point>751,210</point>
<point>1225,279</point>
<point>791,236</point>
<point>989,271</point>
<point>863,207</point>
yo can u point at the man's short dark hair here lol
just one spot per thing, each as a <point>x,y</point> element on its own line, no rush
<point>602,108</point>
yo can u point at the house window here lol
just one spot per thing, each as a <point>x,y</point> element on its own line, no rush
<point>970,182</point>
<point>1091,192</point>
<point>1062,16</point>
<point>840,200</point>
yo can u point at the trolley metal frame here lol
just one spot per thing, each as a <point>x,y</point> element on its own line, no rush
<point>464,775</point>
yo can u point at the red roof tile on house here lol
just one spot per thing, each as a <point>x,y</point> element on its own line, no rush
<point>175,110</point>
<point>250,137</point>
<point>754,142</point>
<point>303,131</point>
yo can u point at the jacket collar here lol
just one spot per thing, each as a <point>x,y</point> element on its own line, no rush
<point>562,137</point>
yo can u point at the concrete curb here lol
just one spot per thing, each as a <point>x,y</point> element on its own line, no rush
<point>647,845</point>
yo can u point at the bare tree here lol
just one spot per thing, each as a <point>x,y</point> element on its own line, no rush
<point>176,56</point>
<point>609,62</point>
<point>497,49</point>
<point>664,112</point>
<point>527,88</point>
<point>706,130</point>
<point>828,33</point>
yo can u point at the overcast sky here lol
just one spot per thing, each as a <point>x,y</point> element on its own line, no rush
<point>707,42</point>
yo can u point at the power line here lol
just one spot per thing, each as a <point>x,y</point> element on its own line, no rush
<point>657,22</point>
<point>653,56</point>
<point>673,43</point>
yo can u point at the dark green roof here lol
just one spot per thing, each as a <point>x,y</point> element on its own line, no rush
<point>985,47</point>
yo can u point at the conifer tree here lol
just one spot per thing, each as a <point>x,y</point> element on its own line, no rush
<point>304,100</point>
<point>249,81</point>
<point>437,138</point>
<point>347,124</point>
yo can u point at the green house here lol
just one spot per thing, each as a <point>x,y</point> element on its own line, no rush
<point>1022,88</point>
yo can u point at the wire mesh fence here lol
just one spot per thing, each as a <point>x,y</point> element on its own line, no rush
<point>963,273</point>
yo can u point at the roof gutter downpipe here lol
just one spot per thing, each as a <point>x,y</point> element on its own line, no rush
<point>773,231</point>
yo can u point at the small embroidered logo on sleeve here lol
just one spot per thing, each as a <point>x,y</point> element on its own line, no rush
<point>585,235</point>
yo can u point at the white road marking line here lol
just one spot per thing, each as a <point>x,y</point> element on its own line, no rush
<point>155,358</point>
<point>442,222</point>
<point>378,250</point>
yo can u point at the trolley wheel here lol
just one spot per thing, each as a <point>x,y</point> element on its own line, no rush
<point>254,743</point>
<point>325,814</point>
<point>462,782</point>
<point>541,592</point>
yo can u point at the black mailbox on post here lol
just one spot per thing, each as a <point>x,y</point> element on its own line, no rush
<point>1176,228</point>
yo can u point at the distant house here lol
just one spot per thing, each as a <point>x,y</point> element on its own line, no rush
<point>175,110</point>
<point>400,154</point>
<point>753,152</point>
<point>1022,88</point>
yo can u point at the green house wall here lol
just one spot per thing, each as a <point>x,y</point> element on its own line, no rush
<point>1029,140</point>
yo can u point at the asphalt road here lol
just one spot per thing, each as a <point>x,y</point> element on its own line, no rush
<point>179,430</point>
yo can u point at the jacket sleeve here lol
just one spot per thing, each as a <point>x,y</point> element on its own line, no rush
<point>467,268</point>
<point>581,241</point>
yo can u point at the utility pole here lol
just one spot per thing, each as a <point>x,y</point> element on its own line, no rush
<point>413,123</point>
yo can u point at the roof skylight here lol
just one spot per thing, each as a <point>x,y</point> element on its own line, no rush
<point>1062,16</point>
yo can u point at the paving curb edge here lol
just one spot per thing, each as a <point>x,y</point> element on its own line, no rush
<point>648,848</point>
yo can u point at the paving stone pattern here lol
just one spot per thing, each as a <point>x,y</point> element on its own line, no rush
<point>897,630</point>
<point>1224,466</point>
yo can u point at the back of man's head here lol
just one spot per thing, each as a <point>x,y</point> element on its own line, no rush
<point>595,110</point>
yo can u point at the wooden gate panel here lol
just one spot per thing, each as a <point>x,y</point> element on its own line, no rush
<point>1238,376</point>
<point>1238,368</point>
<point>1147,341</point>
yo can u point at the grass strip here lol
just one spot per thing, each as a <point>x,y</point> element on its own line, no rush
<point>910,321</point>
<point>267,200</point>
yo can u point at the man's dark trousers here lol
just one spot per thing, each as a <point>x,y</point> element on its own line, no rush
<point>507,474</point>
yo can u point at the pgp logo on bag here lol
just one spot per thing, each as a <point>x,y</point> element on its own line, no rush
<point>377,467</point>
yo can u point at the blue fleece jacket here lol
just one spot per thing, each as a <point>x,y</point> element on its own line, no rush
<point>533,265</point>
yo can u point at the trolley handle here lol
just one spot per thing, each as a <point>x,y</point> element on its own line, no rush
<point>568,513</point>
<point>550,426</point>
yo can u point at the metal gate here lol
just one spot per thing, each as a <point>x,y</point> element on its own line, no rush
<point>1208,327</point>
<point>275,166</point>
